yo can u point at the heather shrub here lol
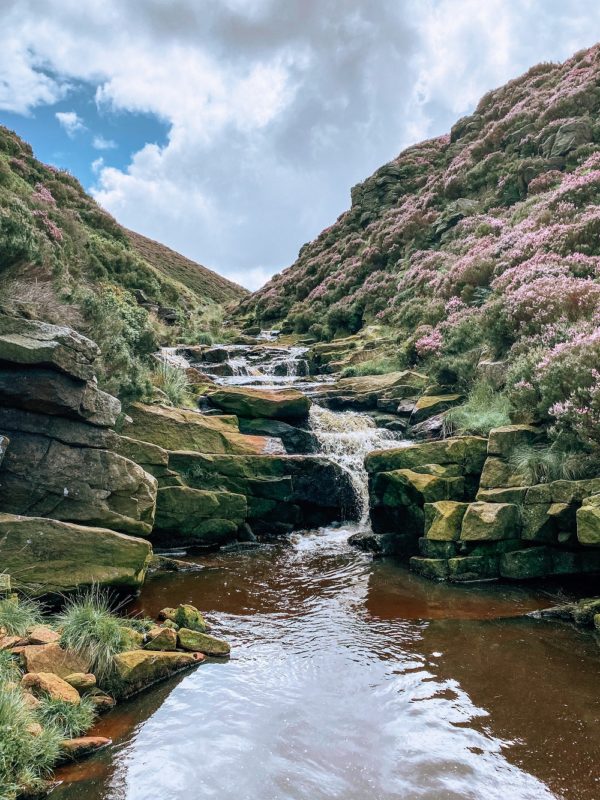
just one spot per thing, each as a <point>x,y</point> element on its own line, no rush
<point>18,238</point>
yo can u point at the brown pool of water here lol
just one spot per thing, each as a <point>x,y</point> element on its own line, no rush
<point>352,678</point>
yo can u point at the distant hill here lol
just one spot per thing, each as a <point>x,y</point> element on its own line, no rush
<point>63,258</point>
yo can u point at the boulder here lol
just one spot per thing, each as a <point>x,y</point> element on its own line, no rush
<point>181,429</point>
<point>588,521</point>
<point>27,342</point>
<point>135,670</point>
<point>83,746</point>
<point>48,684</point>
<point>48,392</point>
<point>537,524</point>
<point>281,404</point>
<point>436,569</point>
<point>534,562</point>
<point>82,681</point>
<point>493,372</point>
<point>202,643</point>
<point>443,519</point>
<point>502,441</point>
<point>498,473</point>
<point>44,477</point>
<point>197,515</point>
<point>489,522</point>
<point>188,616</point>
<point>51,658</point>
<point>45,555</point>
<point>295,440</point>
<point>429,406</point>
<point>161,639</point>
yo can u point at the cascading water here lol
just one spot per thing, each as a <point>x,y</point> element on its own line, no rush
<point>346,437</point>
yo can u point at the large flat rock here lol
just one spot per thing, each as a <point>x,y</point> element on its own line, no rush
<point>44,477</point>
<point>180,429</point>
<point>44,555</point>
<point>282,404</point>
<point>49,392</point>
<point>28,342</point>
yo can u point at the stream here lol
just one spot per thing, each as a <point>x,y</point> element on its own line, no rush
<point>352,678</point>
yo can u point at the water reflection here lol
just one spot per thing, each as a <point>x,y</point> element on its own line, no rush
<point>351,678</point>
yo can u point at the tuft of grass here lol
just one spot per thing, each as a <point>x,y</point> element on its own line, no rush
<point>374,366</point>
<point>17,615</point>
<point>91,629</point>
<point>483,410</point>
<point>174,382</point>
<point>25,758</point>
<point>204,337</point>
<point>70,719</point>
<point>544,463</point>
<point>9,669</point>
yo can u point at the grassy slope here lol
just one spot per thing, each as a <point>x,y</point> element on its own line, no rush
<point>66,260</point>
<point>481,244</point>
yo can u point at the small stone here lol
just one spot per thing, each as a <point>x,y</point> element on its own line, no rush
<point>82,681</point>
<point>46,683</point>
<point>161,639</point>
<point>83,746</point>
<point>167,613</point>
<point>202,643</point>
<point>101,700</point>
<point>188,616</point>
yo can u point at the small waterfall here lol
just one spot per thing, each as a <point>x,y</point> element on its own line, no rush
<point>346,437</point>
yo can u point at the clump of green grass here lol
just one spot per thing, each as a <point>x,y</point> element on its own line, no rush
<point>204,337</point>
<point>543,463</point>
<point>91,629</point>
<point>373,366</point>
<point>174,382</point>
<point>68,718</point>
<point>25,758</point>
<point>9,669</point>
<point>483,410</point>
<point>17,615</point>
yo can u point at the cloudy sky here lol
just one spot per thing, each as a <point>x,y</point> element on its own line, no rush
<point>232,130</point>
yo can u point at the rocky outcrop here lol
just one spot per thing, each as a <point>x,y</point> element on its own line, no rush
<point>44,555</point>
<point>180,429</point>
<point>283,404</point>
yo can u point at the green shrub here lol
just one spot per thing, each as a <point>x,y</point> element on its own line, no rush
<point>16,616</point>
<point>18,237</point>
<point>483,410</point>
<point>204,337</point>
<point>69,718</point>
<point>91,629</point>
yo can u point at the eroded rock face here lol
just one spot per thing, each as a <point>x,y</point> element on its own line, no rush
<point>180,429</point>
<point>28,342</point>
<point>44,477</point>
<point>283,404</point>
<point>45,555</point>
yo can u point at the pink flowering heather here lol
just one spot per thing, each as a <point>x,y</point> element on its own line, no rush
<point>43,195</point>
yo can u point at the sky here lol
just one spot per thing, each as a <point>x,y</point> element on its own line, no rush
<point>233,130</point>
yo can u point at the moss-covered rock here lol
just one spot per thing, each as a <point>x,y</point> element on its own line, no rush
<point>202,643</point>
<point>473,568</point>
<point>180,429</point>
<point>469,452</point>
<point>443,519</point>
<point>282,404</point>
<point>534,562</point>
<point>435,569</point>
<point>502,441</point>
<point>430,405</point>
<point>188,616</point>
<point>160,638</point>
<point>588,521</point>
<point>44,555</point>
<point>497,473</point>
<point>432,548</point>
<point>135,670</point>
<point>490,522</point>
<point>198,516</point>
<point>48,684</point>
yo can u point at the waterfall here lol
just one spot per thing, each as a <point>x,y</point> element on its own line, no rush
<point>346,437</point>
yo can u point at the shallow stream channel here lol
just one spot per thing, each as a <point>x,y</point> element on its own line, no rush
<point>351,678</point>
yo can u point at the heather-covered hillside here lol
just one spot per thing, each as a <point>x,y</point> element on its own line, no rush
<point>63,259</point>
<point>482,244</point>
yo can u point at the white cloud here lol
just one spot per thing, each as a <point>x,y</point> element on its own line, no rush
<point>70,121</point>
<point>100,143</point>
<point>273,110</point>
<point>97,165</point>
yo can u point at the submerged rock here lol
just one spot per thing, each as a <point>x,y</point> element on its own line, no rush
<point>83,746</point>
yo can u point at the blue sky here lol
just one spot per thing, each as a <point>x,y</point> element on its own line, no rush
<point>233,130</point>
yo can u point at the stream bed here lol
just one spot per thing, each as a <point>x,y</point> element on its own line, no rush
<point>353,679</point>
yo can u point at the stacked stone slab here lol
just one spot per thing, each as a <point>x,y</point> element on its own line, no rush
<point>512,529</point>
<point>403,482</point>
<point>64,491</point>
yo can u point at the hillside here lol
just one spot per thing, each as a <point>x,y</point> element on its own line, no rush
<point>200,280</point>
<point>479,246</point>
<point>63,259</point>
